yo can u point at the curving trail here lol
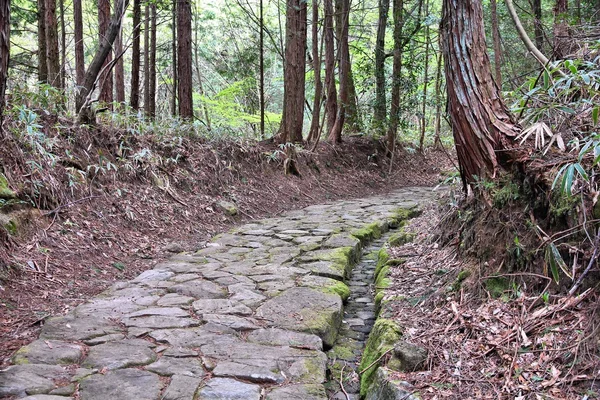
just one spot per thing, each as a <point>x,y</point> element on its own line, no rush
<point>247,317</point>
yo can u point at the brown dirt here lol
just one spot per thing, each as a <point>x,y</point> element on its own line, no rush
<point>520,345</point>
<point>116,222</point>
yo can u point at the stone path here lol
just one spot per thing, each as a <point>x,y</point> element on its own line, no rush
<point>247,317</point>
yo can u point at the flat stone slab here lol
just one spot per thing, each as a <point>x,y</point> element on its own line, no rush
<point>305,310</point>
<point>120,354</point>
<point>199,289</point>
<point>185,366</point>
<point>49,352</point>
<point>221,306</point>
<point>298,392</point>
<point>228,389</point>
<point>281,337</point>
<point>123,384</point>
<point>30,379</point>
<point>182,388</point>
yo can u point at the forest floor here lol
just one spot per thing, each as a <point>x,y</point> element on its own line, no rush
<point>489,334</point>
<point>125,222</point>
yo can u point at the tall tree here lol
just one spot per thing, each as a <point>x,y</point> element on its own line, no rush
<point>119,67</point>
<point>152,88</point>
<point>106,90</point>
<point>496,40</point>
<point>561,29</point>
<point>536,5</point>
<point>79,50</point>
<point>335,136</point>
<point>380,106</point>
<point>4,51</point>
<point>397,15</point>
<point>63,44</point>
<point>314,125</point>
<point>84,100</point>
<point>261,65</point>
<point>425,83</point>
<point>295,70</point>
<point>134,99</point>
<point>147,51</point>
<point>330,89</point>
<point>52,54</point>
<point>482,126</point>
<point>174,58</point>
<point>184,57</point>
<point>42,64</point>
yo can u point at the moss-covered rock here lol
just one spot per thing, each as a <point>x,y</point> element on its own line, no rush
<point>368,232</point>
<point>401,237</point>
<point>5,192</point>
<point>497,286</point>
<point>339,288</point>
<point>460,278</point>
<point>384,335</point>
<point>401,215</point>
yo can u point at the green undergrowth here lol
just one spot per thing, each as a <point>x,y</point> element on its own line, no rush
<point>384,335</point>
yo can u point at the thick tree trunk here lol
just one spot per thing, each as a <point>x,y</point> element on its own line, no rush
<point>380,106</point>
<point>537,24</point>
<point>134,100</point>
<point>314,125</point>
<point>42,63</point>
<point>330,89</point>
<point>184,56</point>
<point>90,81</point>
<point>295,71</point>
<point>482,126</point>
<point>152,91</point>
<point>496,40</point>
<point>397,10</point>
<point>437,143</point>
<point>119,67</point>
<point>199,70</point>
<point>63,45</point>
<point>52,54</point>
<point>147,59</point>
<point>174,59</point>
<point>79,50</point>
<point>561,29</point>
<point>106,91</point>
<point>425,83</point>
<point>261,66</point>
<point>335,136</point>
<point>4,51</point>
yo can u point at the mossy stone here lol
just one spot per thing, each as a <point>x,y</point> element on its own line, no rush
<point>5,192</point>
<point>401,237</point>
<point>496,286</point>
<point>367,233</point>
<point>339,288</point>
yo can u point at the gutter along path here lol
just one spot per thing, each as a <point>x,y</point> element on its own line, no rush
<point>247,317</point>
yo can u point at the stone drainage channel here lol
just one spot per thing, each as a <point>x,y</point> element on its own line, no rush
<point>256,314</point>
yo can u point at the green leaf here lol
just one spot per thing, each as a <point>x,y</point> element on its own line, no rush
<point>595,111</point>
<point>550,261</point>
<point>581,171</point>
<point>559,261</point>
<point>546,80</point>
<point>567,110</point>
<point>119,266</point>
<point>568,179</point>
<point>558,175</point>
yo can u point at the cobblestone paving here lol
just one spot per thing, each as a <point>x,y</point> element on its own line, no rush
<point>247,317</point>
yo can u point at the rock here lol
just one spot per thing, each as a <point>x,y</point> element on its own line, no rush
<point>168,366</point>
<point>232,321</point>
<point>305,310</point>
<point>191,337</point>
<point>280,337</point>
<point>123,384</point>
<point>181,388</point>
<point>46,397</point>
<point>49,352</point>
<point>228,389</point>
<point>160,322</point>
<point>174,247</point>
<point>298,392</point>
<point>174,299</point>
<point>153,275</point>
<point>120,354</point>
<point>408,357</point>
<point>220,306</point>
<point>103,339</point>
<point>385,389</point>
<point>30,379</point>
<point>69,327</point>
<point>246,372</point>
<point>5,192</point>
<point>327,269</point>
<point>227,207</point>
<point>199,289</point>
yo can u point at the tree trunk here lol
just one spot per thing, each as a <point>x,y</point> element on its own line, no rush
<point>335,136</point>
<point>561,29</point>
<point>261,66</point>
<point>295,70</point>
<point>106,90</point>
<point>79,50</point>
<point>198,69</point>
<point>380,106</point>
<point>147,59</point>
<point>330,89</point>
<point>4,51</point>
<point>52,54</point>
<point>184,56</point>
<point>537,23</point>
<point>90,81</point>
<point>496,40</point>
<point>152,90</point>
<point>134,99</point>
<point>63,43</point>
<point>482,126</point>
<point>42,63</point>
<point>119,67</point>
<point>425,82</point>
<point>398,6</point>
<point>314,125</point>
<point>174,59</point>
<point>437,143</point>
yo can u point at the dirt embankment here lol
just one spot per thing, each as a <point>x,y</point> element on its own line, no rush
<point>111,203</point>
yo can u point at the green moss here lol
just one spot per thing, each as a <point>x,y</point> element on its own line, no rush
<point>396,261</point>
<point>367,233</point>
<point>342,353</point>
<point>401,215</point>
<point>401,237</point>
<point>20,356</point>
<point>382,258</point>
<point>508,193</point>
<point>462,275</point>
<point>340,288</point>
<point>341,258</point>
<point>5,192</point>
<point>378,300</point>
<point>383,337</point>
<point>564,208</point>
<point>11,228</point>
<point>497,286</point>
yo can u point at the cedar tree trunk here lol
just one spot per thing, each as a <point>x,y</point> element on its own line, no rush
<point>4,51</point>
<point>330,89</point>
<point>134,99</point>
<point>380,106</point>
<point>184,57</point>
